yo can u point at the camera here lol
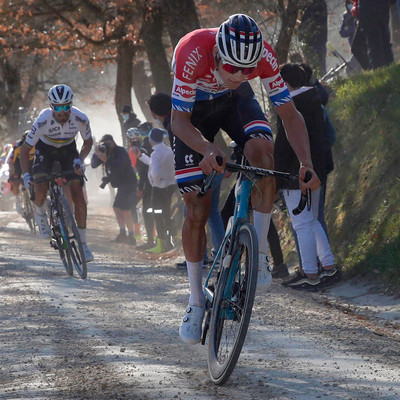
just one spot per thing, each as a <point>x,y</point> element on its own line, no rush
<point>104,181</point>
<point>102,147</point>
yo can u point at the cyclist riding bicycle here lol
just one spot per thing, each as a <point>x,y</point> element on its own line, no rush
<point>53,135</point>
<point>15,164</point>
<point>210,91</point>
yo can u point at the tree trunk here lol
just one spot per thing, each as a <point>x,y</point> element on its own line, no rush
<point>141,86</point>
<point>175,24</point>
<point>151,33</point>
<point>123,87</point>
<point>288,17</point>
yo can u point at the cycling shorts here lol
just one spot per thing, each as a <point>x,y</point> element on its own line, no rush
<point>46,156</point>
<point>238,113</point>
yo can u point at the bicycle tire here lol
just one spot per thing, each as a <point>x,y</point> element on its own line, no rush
<point>29,213</point>
<point>61,234</point>
<point>74,239</point>
<point>232,305</point>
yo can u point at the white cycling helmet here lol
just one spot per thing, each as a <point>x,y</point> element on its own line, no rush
<point>133,134</point>
<point>240,41</point>
<point>60,94</point>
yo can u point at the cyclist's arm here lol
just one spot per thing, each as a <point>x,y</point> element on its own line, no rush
<point>183,128</point>
<point>24,157</point>
<point>86,147</point>
<point>297,135</point>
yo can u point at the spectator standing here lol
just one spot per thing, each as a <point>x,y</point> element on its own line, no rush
<point>144,187</point>
<point>374,16</point>
<point>129,118</point>
<point>348,30</point>
<point>162,178</point>
<point>120,174</point>
<point>313,241</point>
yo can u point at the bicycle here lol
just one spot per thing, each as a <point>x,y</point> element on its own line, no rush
<point>64,232</point>
<point>27,209</point>
<point>230,285</point>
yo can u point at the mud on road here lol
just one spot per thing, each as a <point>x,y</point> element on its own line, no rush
<point>115,335</point>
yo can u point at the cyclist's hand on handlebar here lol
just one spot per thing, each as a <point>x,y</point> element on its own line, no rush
<point>209,161</point>
<point>79,166</point>
<point>313,183</point>
<point>27,180</point>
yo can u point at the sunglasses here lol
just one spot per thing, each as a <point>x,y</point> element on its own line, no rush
<point>232,69</point>
<point>65,107</point>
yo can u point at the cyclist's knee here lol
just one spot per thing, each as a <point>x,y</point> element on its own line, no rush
<point>197,211</point>
<point>260,153</point>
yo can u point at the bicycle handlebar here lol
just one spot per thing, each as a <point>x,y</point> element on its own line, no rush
<point>305,199</point>
<point>52,176</point>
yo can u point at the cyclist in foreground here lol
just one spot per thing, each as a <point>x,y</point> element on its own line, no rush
<point>210,91</point>
<point>53,135</point>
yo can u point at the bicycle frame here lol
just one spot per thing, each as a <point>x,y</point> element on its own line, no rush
<point>243,188</point>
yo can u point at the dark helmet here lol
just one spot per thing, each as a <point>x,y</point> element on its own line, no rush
<point>240,41</point>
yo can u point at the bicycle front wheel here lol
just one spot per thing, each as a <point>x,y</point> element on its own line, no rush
<point>60,235</point>
<point>74,239</point>
<point>232,305</point>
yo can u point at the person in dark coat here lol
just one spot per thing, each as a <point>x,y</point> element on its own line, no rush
<point>130,119</point>
<point>308,229</point>
<point>120,174</point>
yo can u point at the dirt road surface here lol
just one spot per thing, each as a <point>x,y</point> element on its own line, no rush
<point>115,335</point>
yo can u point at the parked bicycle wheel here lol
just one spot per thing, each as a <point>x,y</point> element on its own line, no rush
<point>60,235</point>
<point>232,306</point>
<point>75,245</point>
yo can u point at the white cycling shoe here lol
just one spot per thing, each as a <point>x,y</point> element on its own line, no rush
<point>43,223</point>
<point>192,325</point>
<point>264,278</point>
<point>88,254</point>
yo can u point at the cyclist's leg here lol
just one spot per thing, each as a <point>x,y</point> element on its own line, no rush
<point>189,178</point>
<point>41,167</point>
<point>249,127</point>
<point>66,156</point>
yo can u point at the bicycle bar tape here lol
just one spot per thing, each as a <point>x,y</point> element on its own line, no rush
<point>208,181</point>
<point>305,199</point>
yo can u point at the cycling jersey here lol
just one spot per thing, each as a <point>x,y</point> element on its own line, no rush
<point>48,130</point>
<point>196,77</point>
<point>199,89</point>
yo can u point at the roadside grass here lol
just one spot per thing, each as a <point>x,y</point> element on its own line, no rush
<point>363,198</point>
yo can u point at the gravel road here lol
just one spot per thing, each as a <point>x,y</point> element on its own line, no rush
<point>115,335</point>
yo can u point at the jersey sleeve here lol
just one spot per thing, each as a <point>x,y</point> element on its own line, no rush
<point>271,78</point>
<point>187,65</point>
<point>38,128</point>
<point>84,125</point>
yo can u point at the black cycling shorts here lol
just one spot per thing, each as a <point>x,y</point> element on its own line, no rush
<point>46,156</point>
<point>238,113</point>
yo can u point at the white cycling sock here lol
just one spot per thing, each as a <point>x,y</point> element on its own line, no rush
<point>261,225</point>
<point>195,273</point>
<point>82,233</point>
<point>41,210</point>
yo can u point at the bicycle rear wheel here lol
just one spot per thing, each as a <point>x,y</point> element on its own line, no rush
<point>74,239</point>
<point>29,212</point>
<point>232,305</point>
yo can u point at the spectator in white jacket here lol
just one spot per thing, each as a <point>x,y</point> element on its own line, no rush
<point>162,178</point>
